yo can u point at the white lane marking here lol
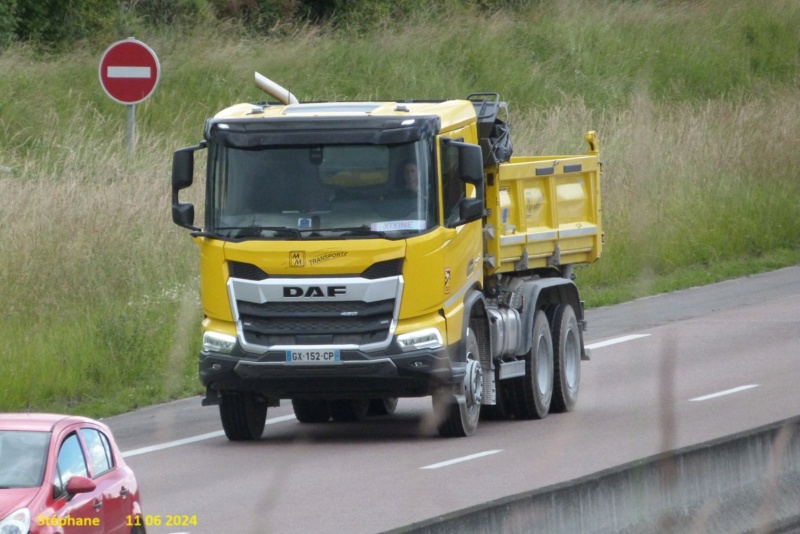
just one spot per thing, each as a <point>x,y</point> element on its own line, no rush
<point>462,459</point>
<point>721,393</point>
<point>193,439</point>
<point>616,340</point>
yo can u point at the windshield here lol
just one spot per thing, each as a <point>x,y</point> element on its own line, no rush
<point>22,458</point>
<point>320,192</point>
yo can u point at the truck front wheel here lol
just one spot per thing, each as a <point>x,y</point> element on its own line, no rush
<point>460,419</point>
<point>534,391</point>
<point>243,416</point>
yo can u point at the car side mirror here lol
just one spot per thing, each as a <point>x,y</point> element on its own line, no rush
<point>79,484</point>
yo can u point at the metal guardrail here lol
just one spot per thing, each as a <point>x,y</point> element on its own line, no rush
<point>748,482</point>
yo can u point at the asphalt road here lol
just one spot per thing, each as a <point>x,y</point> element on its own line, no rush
<point>666,372</point>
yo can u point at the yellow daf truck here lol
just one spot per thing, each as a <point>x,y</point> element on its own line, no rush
<point>354,253</point>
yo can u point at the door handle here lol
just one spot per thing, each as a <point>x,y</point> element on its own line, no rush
<point>97,505</point>
<point>124,491</point>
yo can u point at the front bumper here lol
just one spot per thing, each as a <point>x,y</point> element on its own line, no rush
<point>357,375</point>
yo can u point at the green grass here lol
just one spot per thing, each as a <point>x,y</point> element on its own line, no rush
<point>695,104</point>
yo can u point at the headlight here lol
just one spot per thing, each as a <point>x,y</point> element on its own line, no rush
<point>216,342</point>
<point>18,522</point>
<point>430,338</point>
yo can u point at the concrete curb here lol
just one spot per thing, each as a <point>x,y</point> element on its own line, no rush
<point>749,482</point>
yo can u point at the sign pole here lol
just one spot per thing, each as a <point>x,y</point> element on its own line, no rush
<point>131,131</point>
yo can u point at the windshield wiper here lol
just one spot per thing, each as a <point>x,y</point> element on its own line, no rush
<point>255,231</point>
<point>355,231</point>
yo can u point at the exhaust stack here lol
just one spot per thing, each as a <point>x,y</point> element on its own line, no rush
<point>273,89</point>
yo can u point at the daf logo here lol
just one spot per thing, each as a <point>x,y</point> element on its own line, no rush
<point>313,291</point>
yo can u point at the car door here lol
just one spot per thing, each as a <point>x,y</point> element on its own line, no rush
<point>81,513</point>
<point>110,480</point>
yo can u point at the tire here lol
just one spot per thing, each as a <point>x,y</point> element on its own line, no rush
<point>311,410</point>
<point>243,416</point>
<point>460,419</point>
<point>534,391</point>
<point>349,410</point>
<point>566,358</point>
<point>385,406</point>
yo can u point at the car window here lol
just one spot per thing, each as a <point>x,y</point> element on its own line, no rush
<point>22,458</point>
<point>71,462</point>
<point>99,450</point>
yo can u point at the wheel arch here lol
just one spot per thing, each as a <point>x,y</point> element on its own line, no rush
<point>475,307</point>
<point>544,292</point>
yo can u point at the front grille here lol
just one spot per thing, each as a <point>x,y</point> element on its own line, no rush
<point>302,323</point>
<point>306,321</point>
<point>273,310</point>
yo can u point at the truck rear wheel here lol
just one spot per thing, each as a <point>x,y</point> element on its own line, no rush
<point>534,391</point>
<point>566,358</point>
<point>243,416</point>
<point>311,410</point>
<point>460,419</point>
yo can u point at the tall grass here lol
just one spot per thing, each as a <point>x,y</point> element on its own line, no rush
<point>695,104</point>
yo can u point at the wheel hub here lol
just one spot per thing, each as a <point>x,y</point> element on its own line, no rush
<point>473,383</point>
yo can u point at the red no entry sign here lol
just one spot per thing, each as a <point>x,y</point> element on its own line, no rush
<point>129,71</point>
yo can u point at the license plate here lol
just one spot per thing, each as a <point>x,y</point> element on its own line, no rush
<point>322,356</point>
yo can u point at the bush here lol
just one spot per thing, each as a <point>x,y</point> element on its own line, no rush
<point>7,22</point>
<point>51,23</point>
<point>181,13</point>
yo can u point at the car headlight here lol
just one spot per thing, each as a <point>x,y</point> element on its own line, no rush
<point>429,338</point>
<point>18,522</point>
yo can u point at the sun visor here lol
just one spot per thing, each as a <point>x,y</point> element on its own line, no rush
<point>254,133</point>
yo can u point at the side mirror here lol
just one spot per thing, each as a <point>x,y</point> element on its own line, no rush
<point>182,168</point>
<point>183,214</point>
<point>182,177</point>
<point>470,162</point>
<point>470,169</point>
<point>470,209</point>
<point>78,484</point>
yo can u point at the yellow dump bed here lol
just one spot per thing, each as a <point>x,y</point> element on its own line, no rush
<point>544,210</point>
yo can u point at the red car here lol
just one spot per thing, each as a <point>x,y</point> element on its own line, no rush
<point>64,474</point>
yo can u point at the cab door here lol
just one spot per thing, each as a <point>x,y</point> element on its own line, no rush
<point>463,251</point>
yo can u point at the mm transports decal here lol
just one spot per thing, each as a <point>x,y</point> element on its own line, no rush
<point>325,256</point>
<point>297,258</point>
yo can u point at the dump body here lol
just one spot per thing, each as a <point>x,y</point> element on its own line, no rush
<point>544,211</point>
